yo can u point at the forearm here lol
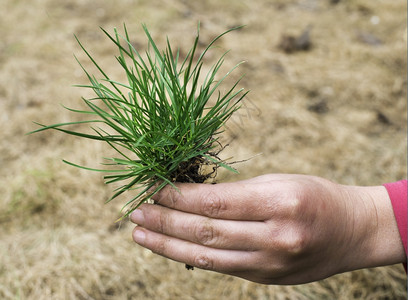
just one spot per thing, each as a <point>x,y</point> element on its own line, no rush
<point>376,237</point>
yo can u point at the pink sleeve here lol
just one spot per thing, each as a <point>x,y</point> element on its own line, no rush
<point>398,195</point>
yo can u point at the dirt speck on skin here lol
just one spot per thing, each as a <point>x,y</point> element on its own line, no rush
<point>336,110</point>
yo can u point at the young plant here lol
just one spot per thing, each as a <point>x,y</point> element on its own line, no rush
<point>161,121</point>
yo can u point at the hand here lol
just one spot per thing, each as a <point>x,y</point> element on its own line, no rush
<point>272,229</point>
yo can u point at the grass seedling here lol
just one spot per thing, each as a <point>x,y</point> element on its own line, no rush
<point>164,122</point>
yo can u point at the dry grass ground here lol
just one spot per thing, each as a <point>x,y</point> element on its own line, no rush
<point>337,110</point>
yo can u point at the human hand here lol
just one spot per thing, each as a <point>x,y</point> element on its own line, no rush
<point>272,229</point>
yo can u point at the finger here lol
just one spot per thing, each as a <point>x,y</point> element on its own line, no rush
<point>214,233</point>
<point>224,261</point>
<point>234,201</point>
<point>254,200</point>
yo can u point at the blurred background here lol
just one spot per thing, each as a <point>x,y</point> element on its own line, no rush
<point>327,83</point>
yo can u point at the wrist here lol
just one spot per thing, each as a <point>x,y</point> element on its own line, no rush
<point>375,232</point>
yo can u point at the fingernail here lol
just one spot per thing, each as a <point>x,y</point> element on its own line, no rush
<point>137,217</point>
<point>139,236</point>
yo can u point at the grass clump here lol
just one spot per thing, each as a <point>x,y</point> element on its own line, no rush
<point>160,122</point>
